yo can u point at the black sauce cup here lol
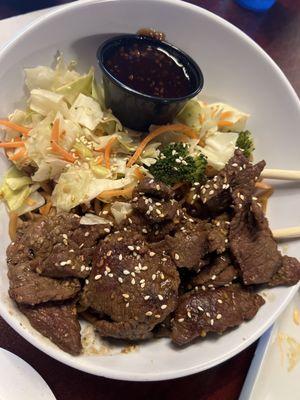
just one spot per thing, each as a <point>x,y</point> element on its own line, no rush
<point>135,109</point>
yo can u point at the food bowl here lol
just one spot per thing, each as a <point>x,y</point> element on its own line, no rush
<point>236,71</point>
<point>143,109</point>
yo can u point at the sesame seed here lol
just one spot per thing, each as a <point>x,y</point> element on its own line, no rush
<point>126,272</point>
<point>157,316</point>
<point>146,297</point>
<point>71,251</point>
<point>176,256</point>
<point>125,295</point>
<point>211,192</point>
<point>120,279</point>
<point>151,254</point>
<point>144,230</point>
<point>213,277</point>
<point>160,297</point>
<point>234,165</point>
<point>200,308</point>
<point>149,313</point>
<point>97,277</point>
<point>212,322</point>
<point>219,316</point>
<point>220,301</point>
<point>120,257</point>
<point>203,287</point>
<point>86,234</point>
<point>87,281</point>
<point>180,320</point>
<point>162,276</point>
<point>111,275</point>
<point>153,277</point>
<point>107,230</point>
<point>226,240</point>
<point>130,220</point>
<point>143,285</point>
<point>133,281</point>
<point>242,197</point>
<point>207,314</point>
<point>131,248</point>
<point>105,212</point>
<point>109,253</point>
<point>65,236</point>
<point>107,269</point>
<point>127,305</point>
<point>189,314</point>
<point>120,238</point>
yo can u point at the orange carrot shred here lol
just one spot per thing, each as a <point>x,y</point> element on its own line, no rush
<point>55,131</point>
<point>125,192</point>
<point>44,210</point>
<point>56,148</point>
<point>15,127</point>
<point>162,129</point>
<point>226,114</point>
<point>107,151</point>
<point>18,154</point>
<point>139,174</point>
<point>224,123</point>
<point>12,145</point>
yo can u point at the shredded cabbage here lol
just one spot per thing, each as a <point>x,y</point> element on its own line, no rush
<point>219,148</point>
<point>120,210</point>
<point>86,112</point>
<point>92,219</point>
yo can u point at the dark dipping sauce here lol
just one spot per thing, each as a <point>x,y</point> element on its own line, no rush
<point>150,70</point>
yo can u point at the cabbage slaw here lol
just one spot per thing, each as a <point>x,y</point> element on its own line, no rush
<point>68,137</point>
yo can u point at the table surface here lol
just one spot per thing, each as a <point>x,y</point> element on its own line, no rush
<point>278,33</point>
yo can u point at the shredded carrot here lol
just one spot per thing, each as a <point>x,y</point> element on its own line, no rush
<point>107,151</point>
<point>56,148</point>
<point>139,174</point>
<point>15,127</point>
<point>224,123</point>
<point>30,202</point>
<point>263,185</point>
<point>100,149</point>
<point>226,114</point>
<point>18,155</point>
<point>12,145</point>
<point>162,129</point>
<point>44,210</point>
<point>13,225</point>
<point>126,192</point>
<point>55,131</point>
<point>100,159</point>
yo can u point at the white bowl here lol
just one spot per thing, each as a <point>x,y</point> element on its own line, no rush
<point>237,71</point>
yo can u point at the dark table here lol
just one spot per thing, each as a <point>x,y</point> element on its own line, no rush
<point>278,32</point>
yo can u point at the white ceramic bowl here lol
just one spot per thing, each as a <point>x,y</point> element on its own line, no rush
<point>237,71</point>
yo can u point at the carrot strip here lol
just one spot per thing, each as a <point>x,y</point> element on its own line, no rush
<point>19,154</point>
<point>56,148</point>
<point>13,225</point>
<point>100,159</point>
<point>15,127</point>
<point>226,114</point>
<point>55,131</point>
<point>107,151</point>
<point>11,145</point>
<point>263,185</point>
<point>224,123</point>
<point>126,192</point>
<point>44,210</point>
<point>162,129</point>
<point>139,174</point>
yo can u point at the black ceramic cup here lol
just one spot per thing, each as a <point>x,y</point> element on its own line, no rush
<point>137,110</point>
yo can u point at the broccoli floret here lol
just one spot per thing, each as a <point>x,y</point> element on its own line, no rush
<point>175,164</point>
<point>245,143</point>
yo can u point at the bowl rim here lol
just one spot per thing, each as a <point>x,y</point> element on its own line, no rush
<point>74,362</point>
<point>192,65</point>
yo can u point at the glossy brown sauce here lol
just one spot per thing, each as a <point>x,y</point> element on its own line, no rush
<point>149,69</point>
